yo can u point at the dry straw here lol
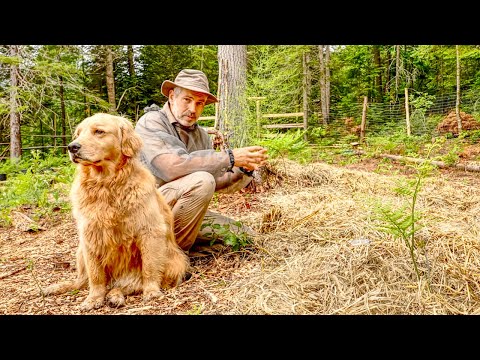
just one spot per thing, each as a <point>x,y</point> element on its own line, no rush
<point>319,251</point>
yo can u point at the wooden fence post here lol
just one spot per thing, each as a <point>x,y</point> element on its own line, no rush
<point>257,111</point>
<point>54,132</point>
<point>407,113</point>
<point>215,124</point>
<point>259,116</point>
<point>364,119</point>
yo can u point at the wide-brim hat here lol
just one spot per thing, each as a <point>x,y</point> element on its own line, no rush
<point>190,79</point>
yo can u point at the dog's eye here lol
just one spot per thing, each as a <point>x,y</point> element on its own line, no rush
<point>99,132</point>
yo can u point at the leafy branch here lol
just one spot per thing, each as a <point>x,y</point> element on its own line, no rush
<point>236,238</point>
<point>289,145</point>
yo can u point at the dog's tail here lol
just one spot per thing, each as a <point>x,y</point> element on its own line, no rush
<point>64,286</point>
<point>177,261</point>
<point>80,283</point>
<point>177,265</point>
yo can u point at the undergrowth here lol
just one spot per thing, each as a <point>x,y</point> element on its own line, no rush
<point>290,145</point>
<point>230,234</point>
<point>40,182</point>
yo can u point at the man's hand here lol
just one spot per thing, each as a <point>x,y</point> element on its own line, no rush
<point>250,157</point>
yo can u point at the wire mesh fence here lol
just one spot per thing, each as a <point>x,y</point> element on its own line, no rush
<point>381,119</point>
<point>424,118</point>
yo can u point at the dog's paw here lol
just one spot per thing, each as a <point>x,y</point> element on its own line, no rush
<point>91,303</point>
<point>115,298</point>
<point>151,294</point>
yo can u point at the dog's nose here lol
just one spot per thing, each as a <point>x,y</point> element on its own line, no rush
<point>74,147</point>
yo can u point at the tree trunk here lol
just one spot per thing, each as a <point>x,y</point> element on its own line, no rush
<point>86,104</point>
<point>306,92</point>
<point>378,78</point>
<point>323,100</point>
<point>133,76</point>
<point>15,135</point>
<point>232,81</point>
<point>110,80</point>
<point>327,81</point>
<point>387,74</point>
<point>457,102</point>
<point>64,117</point>
<point>130,59</point>
<point>202,59</point>
<point>397,71</point>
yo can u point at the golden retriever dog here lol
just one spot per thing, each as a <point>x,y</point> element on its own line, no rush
<point>126,239</point>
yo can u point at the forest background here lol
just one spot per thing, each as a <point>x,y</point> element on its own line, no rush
<point>383,221</point>
<point>45,90</point>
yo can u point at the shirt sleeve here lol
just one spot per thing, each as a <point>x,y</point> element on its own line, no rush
<point>168,155</point>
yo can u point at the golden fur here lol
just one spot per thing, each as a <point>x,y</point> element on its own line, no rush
<point>126,239</point>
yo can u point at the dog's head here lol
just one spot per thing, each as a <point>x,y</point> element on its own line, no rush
<point>104,139</point>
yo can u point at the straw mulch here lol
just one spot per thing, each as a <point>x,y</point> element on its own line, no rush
<point>319,250</point>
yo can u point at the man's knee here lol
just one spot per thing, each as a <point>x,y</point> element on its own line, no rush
<point>203,184</point>
<point>197,188</point>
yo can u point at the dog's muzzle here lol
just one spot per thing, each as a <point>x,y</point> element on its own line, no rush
<point>73,147</point>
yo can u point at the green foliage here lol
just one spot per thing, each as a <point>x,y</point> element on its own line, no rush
<point>9,60</point>
<point>290,145</point>
<point>204,58</point>
<point>41,184</point>
<point>403,222</point>
<point>431,122</point>
<point>437,66</point>
<point>354,71</point>
<point>230,234</point>
<point>316,134</point>
<point>452,157</point>
<point>275,71</point>
<point>395,143</point>
<point>160,63</point>
<point>9,167</point>
<point>196,309</point>
<point>421,101</point>
<point>46,73</point>
<point>473,136</point>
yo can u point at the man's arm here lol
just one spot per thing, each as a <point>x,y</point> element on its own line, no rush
<point>169,159</point>
<point>172,166</point>
<point>167,155</point>
<point>178,163</point>
<point>249,158</point>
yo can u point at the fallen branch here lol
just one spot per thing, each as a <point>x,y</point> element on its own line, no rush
<point>13,272</point>
<point>440,164</point>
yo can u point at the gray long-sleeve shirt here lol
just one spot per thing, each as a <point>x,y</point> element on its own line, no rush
<point>171,151</point>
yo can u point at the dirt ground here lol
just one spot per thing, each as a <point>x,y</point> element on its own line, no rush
<point>31,260</point>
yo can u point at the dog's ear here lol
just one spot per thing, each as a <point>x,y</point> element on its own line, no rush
<point>131,141</point>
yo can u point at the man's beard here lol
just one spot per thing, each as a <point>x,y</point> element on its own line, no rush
<point>185,120</point>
